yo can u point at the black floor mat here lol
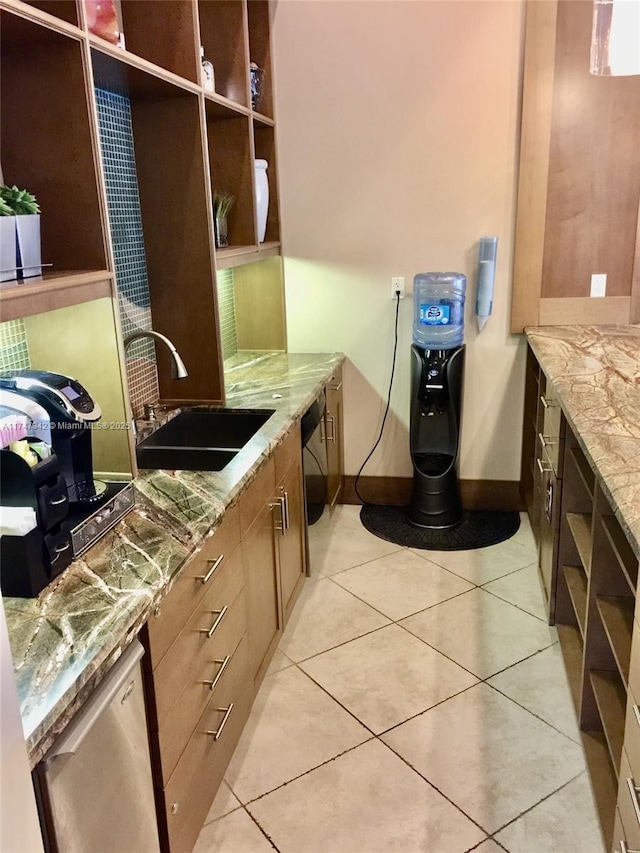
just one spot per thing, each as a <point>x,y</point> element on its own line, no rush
<point>478,529</point>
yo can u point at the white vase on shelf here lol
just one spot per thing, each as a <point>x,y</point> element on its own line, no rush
<point>262,197</point>
<point>8,248</point>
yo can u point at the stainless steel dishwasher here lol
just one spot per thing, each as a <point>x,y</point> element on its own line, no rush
<point>94,786</point>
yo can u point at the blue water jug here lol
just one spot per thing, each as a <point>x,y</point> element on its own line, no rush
<point>438,300</point>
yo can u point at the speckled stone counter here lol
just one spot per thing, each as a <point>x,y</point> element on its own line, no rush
<point>64,641</point>
<point>595,373</point>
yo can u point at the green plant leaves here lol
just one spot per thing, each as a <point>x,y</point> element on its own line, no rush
<point>18,201</point>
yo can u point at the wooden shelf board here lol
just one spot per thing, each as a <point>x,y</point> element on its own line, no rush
<point>587,477</point>
<point>580,527</point>
<point>621,550</point>
<point>577,586</point>
<point>234,256</point>
<point>611,699</point>
<point>217,106</point>
<point>53,29</point>
<point>603,781</point>
<point>571,645</point>
<point>59,289</point>
<point>262,119</point>
<point>142,78</point>
<point>616,613</point>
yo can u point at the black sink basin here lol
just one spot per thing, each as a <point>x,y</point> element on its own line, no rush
<point>200,439</point>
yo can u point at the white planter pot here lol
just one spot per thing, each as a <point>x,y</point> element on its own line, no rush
<point>8,248</point>
<point>262,197</point>
<point>29,253</point>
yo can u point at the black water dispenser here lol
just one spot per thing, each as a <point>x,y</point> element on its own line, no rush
<point>437,371</point>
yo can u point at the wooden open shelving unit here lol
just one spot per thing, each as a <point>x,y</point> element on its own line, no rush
<point>595,604</point>
<point>188,143</point>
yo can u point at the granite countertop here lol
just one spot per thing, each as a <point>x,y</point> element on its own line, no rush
<point>64,641</point>
<point>595,373</point>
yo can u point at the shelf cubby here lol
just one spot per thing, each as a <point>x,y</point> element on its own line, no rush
<point>621,550</point>
<point>604,782</point>
<point>572,649</point>
<point>64,10</point>
<point>46,126</point>
<point>260,50</point>
<point>616,613</point>
<point>231,165</point>
<point>223,36</point>
<point>611,700</point>
<point>576,581</point>
<point>265,149</point>
<point>580,527</point>
<point>583,469</point>
<point>166,40</point>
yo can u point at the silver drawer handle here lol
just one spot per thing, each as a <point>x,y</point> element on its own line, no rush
<point>633,792</point>
<point>636,711</point>
<point>548,402</point>
<point>335,387</point>
<point>332,437</point>
<point>625,849</point>
<point>546,440</point>
<point>279,523</point>
<point>220,614</point>
<point>223,665</point>
<point>227,713</point>
<point>58,501</point>
<point>544,467</point>
<point>206,578</point>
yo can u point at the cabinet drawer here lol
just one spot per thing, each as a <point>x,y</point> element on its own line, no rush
<point>190,587</point>
<point>197,643</point>
<point>194,782</point>
<point>205,680</point>
<point>334,382</point>
<point>287,453</point>
<point>628,817</point>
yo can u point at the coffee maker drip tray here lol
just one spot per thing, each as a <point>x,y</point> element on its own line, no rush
<point>89,523</point>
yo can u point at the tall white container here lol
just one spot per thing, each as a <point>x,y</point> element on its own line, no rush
<point>262,197</point>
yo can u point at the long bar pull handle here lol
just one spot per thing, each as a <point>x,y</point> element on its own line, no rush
<point>215,563</point>
<point>332,436</point>
<point>547,402</point>
<point>220,614</point>
<point>544,466</point>
<point>227,713</point>
<point>546,440</point>
<point>284,508</point>
<point>625,849</point>
<point>335,387</point>
<point>223,665</point>
<point>323,431</point>
<point>633,792</point>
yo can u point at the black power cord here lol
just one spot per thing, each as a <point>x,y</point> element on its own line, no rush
<point>386,411</point>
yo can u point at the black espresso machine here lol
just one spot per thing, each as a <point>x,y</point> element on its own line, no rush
<point>72,509</point>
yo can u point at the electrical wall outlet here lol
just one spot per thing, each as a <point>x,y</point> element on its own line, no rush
<point>598,284</point>
<point>397,286</point>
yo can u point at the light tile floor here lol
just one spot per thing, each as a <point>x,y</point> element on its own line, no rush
<point>417,703</point>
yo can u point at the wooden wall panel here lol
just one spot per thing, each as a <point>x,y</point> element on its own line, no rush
<point>594,167</point>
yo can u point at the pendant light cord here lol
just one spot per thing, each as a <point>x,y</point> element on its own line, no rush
<point>386,411</point>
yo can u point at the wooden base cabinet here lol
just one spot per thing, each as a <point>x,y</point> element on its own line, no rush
<point>272,521</point>
<point>209,643</point>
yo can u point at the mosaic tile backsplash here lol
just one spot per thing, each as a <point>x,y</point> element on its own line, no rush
<point>118,158</point>
<point>227,311</point>
<point>14,353</point>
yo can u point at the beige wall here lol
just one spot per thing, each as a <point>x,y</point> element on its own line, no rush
<point>398,134</point>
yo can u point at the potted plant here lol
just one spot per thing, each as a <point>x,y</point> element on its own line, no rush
<point>27,224</point>
<point>7,242</point>
<point>222,204</point>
